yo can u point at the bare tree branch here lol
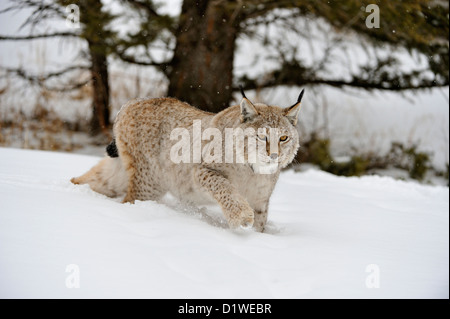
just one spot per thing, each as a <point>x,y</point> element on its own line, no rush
<point>143,5</point>
<point>43,77</point>
<point>37,36</point>
<point>355,82</point>
<point>12,8</point>
<point>67,87</point>
<point>131,59</point>
<point>41,10</point>
<point>381,76</point>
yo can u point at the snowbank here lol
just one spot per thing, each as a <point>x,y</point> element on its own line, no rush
<point>329,237</point>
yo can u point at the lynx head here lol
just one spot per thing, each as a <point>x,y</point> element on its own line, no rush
<point>275,134</point>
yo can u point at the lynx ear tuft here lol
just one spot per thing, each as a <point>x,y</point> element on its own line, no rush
<point>292,112</point>
<point>300,97</point>
<point>248,110</point>
<point>242,91</point>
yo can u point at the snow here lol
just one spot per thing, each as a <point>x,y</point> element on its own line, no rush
<point>329,237</point>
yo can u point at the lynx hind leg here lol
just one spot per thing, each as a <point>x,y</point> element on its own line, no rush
<point>129,166</point>
<point>142,187</point>
<point>107,177</point>
<point>143,182</point>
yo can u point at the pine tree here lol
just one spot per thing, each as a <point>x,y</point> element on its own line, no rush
<point>201,69</point>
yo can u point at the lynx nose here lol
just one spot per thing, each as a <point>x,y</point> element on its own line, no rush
<point>273,156</point>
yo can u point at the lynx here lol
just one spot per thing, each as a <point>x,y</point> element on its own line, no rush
<point>140,164</point>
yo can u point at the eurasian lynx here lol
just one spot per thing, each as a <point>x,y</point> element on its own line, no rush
<point>144,159</point>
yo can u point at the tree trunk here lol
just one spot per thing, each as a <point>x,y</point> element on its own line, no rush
<point>100,100</point>
<point>201,71</point>
<point>95,20</point>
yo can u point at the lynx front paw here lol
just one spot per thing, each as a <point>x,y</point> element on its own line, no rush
<point>244,218</point>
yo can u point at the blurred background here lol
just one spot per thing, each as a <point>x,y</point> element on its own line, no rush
<point>376,73</point>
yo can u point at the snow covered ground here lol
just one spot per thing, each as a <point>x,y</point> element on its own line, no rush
<point>329,237</point>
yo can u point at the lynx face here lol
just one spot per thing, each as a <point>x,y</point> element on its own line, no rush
<point>275,137</point>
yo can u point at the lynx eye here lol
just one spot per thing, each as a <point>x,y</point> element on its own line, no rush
<point>284,138</point>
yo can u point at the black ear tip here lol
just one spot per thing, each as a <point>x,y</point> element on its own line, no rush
<point>242,91</point>
<point>300,96</point>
